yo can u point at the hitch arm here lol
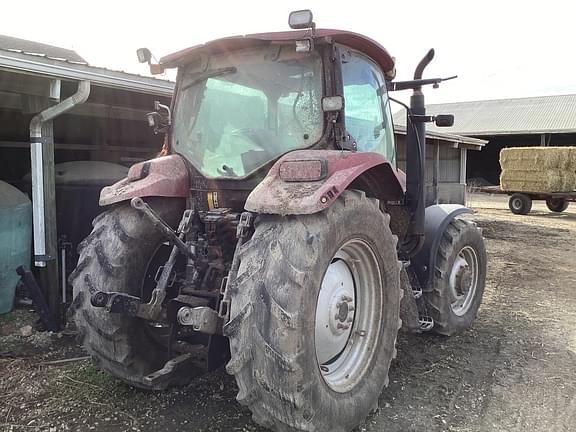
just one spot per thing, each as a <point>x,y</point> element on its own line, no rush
<point>130,305</point>
<point>161,226</point>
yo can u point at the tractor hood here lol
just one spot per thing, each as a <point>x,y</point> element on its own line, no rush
<point>353,40</point>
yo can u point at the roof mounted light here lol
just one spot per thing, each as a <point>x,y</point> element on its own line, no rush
<point>145,56</point>
<point>301,19</point>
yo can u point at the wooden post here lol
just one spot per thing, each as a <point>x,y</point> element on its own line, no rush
<point>436,172</point>
<point>49,276</point>
<point>463,157</point>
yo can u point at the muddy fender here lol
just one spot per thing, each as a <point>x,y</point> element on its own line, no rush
<point>437,219</point>
<point>165,176</point>
<point>308,181</point>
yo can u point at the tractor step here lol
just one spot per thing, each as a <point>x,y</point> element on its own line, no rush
<point>426,323</point>
<point>169,373</point>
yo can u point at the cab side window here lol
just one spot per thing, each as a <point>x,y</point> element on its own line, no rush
<point>368,118</point>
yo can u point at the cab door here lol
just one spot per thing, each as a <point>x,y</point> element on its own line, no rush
<point>367,109</point>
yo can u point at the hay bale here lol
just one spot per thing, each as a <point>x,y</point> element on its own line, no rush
<point>551,180</point>
<point>538,158</point>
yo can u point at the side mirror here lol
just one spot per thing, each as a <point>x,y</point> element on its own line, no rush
<point>161,119</point>
<point>444,120</point>
<point>153,119</point>
<point>332,103</point>
<point>144,55</point>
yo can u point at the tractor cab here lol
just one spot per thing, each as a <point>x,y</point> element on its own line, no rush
<point>243,102</point>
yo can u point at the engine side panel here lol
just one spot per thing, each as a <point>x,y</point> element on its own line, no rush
<point>276,196</point>
<point>165,176</point>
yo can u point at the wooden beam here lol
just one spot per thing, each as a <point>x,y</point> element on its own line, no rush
<point>14,101</point>
<point>87,147</point>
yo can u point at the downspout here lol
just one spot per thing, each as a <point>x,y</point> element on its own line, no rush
<point>36,145</point>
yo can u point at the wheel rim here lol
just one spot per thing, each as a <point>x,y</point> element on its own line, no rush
<point>348,315</point>
<point>516,203</point>
<point>463,280</point>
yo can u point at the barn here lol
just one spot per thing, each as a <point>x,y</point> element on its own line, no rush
<point>529,121</point>
<point>57,110</point>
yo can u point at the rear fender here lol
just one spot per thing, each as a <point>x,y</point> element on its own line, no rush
<point>165,176</point>
<point>437,219</point>
<point>340,169</point>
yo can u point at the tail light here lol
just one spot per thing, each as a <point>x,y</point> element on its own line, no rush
<point>303,170</point>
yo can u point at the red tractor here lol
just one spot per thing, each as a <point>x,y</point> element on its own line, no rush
<point>277,234</point>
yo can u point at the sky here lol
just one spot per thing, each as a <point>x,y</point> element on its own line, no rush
<point>498,49</point>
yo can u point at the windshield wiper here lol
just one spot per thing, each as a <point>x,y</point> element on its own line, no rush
<point>210,74</point>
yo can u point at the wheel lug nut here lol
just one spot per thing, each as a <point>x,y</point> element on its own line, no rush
<point>350,319</point>
<point>351,308</point>
<point>346,298</point>
<point>342,326</point>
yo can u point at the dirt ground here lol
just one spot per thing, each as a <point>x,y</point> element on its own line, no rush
<point>515,370</point>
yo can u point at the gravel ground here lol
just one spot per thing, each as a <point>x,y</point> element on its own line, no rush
<point>515,370</point>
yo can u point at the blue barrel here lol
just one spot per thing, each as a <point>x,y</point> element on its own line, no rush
<point>15,240</point>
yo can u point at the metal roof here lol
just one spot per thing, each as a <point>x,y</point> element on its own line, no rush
<point>530,115</point>
<point>456,140</point>
<point>10,43</point>
<point>60,63</point>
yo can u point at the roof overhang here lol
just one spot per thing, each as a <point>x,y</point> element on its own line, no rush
<point>353,40</point>
<point>41,66</point>
<point>517,132</point>
<point>456,141</point>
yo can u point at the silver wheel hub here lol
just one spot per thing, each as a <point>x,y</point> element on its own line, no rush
<point>348,319</point>
<point>335,311</point>
<point>463,280</point>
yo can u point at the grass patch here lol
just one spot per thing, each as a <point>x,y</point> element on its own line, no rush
<point>89,374</point>
<point>7,318</point>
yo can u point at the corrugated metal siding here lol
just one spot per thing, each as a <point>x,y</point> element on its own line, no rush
<point>449,189</point>
<point>543,114</point>
<point>449,166</point>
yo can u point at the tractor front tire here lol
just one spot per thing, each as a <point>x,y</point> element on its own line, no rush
<point>557,205</point>
<point>115,258</point>
<point>459,278</point>
<point>287,289</point>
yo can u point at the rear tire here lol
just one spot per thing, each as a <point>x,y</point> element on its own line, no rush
<point>520,204</point>
<point>557,205</point>
<point>273,320</point>
<point>115,257</point>
<point>459,278</point>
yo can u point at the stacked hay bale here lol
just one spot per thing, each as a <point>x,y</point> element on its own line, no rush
<point>538,169</point>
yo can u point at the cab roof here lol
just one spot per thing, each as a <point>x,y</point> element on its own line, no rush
<point>353,40</point>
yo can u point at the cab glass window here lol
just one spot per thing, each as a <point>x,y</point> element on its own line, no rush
<point>368,118</point>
